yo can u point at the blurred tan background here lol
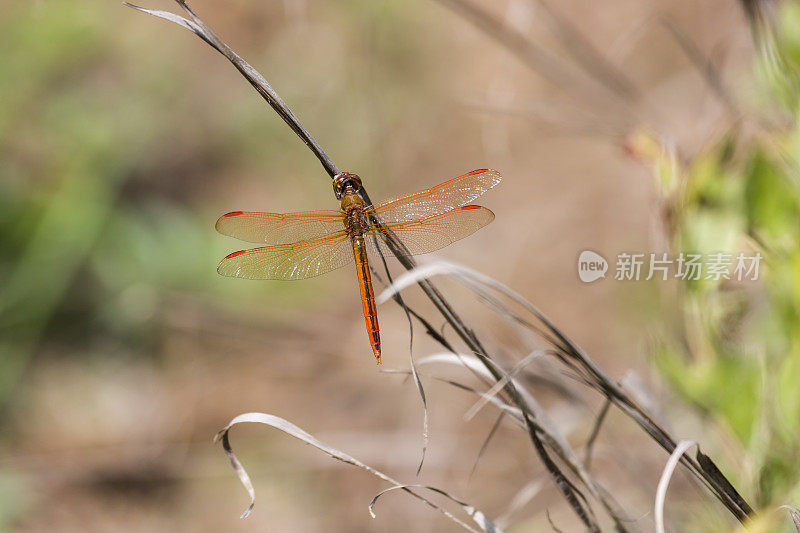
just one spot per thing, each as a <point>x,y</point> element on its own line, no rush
<point>123,138</point>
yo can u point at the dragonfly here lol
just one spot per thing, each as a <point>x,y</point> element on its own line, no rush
<point>309,243</point>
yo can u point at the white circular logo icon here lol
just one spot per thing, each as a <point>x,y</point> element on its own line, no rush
<point>591,266</point>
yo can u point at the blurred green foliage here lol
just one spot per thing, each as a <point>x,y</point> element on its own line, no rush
<point>100,217</point>
<point>736,352</point>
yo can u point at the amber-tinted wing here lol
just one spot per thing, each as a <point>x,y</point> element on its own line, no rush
<point>444,197</point>
<point>279,228</point>
<point>431,233</point>
<point>290,261</point>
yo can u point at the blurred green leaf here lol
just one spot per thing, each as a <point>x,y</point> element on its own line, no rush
<point>771,202</point>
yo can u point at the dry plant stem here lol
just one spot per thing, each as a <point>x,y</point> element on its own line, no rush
<point>486,441</point>
<point>702,466</point>
<point>627,107</point>
<point>587,457</point>
<point>540,61</point>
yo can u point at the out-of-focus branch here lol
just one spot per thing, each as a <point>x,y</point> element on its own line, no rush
<point>585,54</point>
<point>707,69</point>
<point>592,89</point>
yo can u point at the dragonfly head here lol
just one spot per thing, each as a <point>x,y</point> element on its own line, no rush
<point>343,181</point>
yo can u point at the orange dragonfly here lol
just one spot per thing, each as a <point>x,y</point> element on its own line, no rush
<point>306,244</point>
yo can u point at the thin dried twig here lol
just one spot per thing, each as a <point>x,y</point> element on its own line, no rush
<point>568,490</point>
<point>486,442</point>
<point>601,416</point>
<point>520,500</point>
<point>500,384</point>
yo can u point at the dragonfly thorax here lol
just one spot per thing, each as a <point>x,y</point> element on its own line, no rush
<point>353,209</point>
<point>351,202</point>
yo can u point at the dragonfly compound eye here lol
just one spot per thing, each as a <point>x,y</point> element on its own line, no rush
<point>344,180</point>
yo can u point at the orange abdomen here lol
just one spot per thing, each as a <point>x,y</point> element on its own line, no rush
<point>367,295</point>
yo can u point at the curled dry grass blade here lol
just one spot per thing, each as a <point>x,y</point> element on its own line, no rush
<point>290,429</point>
<point>514,412</point>
<point>795,514</point>
<point>479,518</point>
<point>551,437</point>
<point>663,483</point>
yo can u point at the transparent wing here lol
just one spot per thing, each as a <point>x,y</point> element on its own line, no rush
<point>431,233</point>
<point>290,261</point>
<point>279,228</point>
<point>439,199</point>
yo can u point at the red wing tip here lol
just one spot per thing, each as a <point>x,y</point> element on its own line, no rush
<point>477,171</point>
<point>482,170</point>
<point>471,207</point>
<point>233,214</point>
<point>234,254</point>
